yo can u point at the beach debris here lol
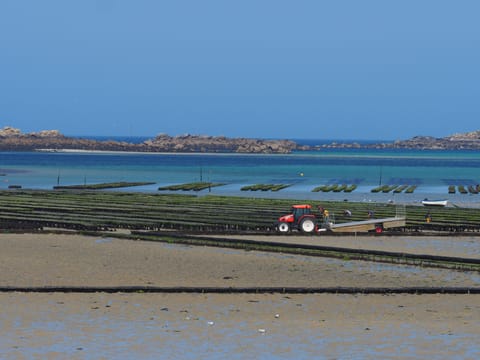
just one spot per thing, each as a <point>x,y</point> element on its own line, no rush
<point>277,316</point>
<point>262,331</point>
<point>210,323</point>
<point>164,309</point>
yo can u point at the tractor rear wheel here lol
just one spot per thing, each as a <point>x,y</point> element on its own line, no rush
<point>307,225</point>
<point>283,227</point>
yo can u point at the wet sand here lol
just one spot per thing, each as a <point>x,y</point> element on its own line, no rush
<point>201,326</point>
<point>72,260</point>
<point>455,246</point>
<point>195,326</point>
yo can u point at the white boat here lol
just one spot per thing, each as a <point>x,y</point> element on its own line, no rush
<point>427,202</point>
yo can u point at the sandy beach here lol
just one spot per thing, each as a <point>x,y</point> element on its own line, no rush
<point>73,260</point>
<point>191,326</point>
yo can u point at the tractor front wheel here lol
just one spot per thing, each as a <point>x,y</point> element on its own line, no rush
<point>283,227</point>
<point>307,225</point>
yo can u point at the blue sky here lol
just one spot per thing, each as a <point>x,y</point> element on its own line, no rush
<point>270,69</point>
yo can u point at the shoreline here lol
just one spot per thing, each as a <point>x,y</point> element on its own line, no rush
<point>120,152</point>
<point>330,153</point>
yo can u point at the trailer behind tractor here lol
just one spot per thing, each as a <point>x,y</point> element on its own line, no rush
<point>303,219</point>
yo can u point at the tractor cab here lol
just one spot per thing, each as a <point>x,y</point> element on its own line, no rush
<point>300,210</point>
<point>301,217</point>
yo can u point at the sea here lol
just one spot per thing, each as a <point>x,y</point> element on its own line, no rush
<point>431,171</point>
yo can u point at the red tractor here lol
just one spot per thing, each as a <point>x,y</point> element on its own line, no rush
<point>301,218</point>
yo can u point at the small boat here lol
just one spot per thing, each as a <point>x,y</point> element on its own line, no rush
<point>427,202</point>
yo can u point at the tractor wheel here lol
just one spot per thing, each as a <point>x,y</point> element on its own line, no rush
<point>307,225</point>
<point>283,227</point>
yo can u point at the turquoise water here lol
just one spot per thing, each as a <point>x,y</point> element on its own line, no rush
<point>431,171</point>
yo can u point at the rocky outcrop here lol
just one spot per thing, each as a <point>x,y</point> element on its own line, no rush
<point>465,141</point>
<point>12,139</point>
<point>469,136</point>
<point>194,143</point>
<point>8,131</point>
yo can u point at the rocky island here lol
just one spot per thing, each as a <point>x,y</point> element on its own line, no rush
<point>461,141</point>
<point>465,141</point>
<point>12,139</point>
